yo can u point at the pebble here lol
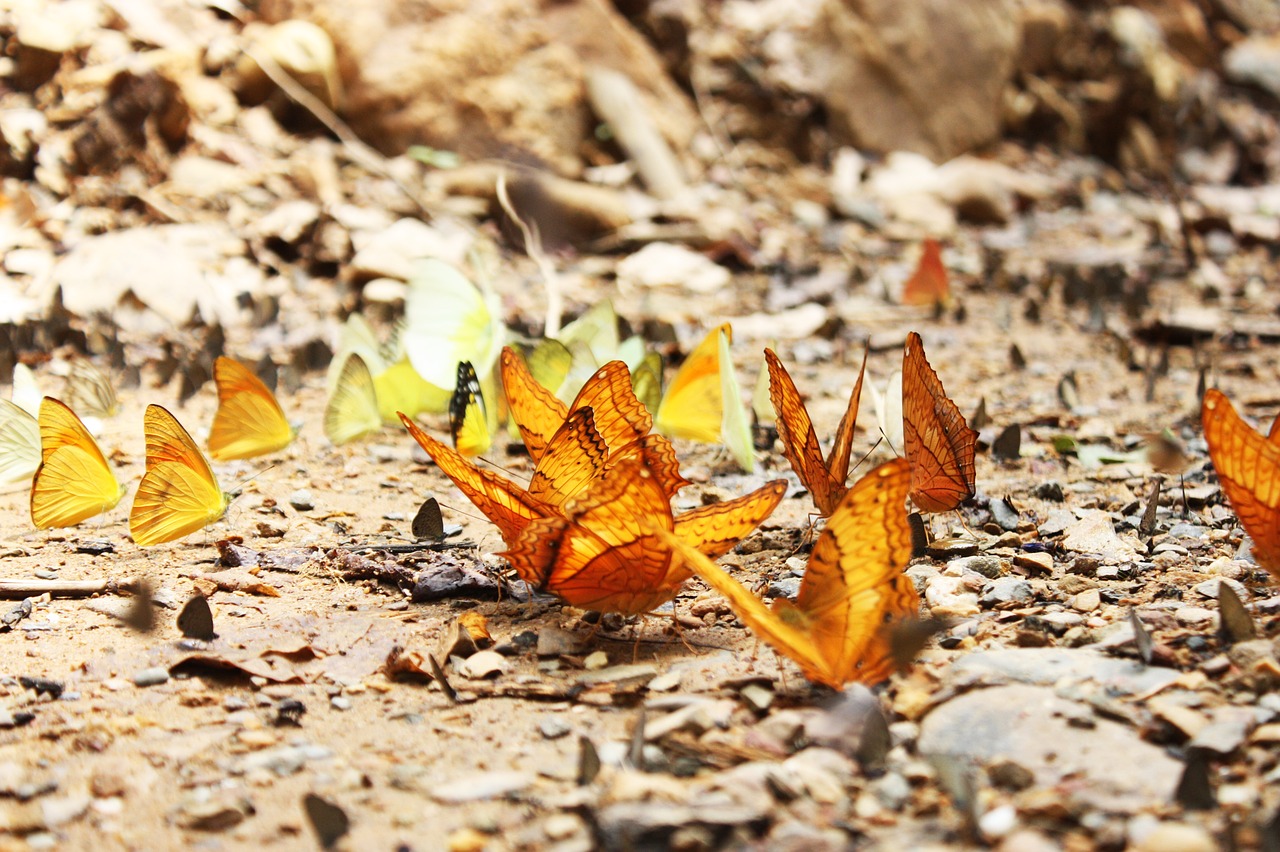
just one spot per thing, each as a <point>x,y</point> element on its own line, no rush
<point>951,596</point>
<point>302,500</point>
<point>484,664</point>
<point>340,702</point>
<point>945,549</point>
<point>553,728</point>
<point>1087,601</point>
<point>595,661</point>
<point>562,826</point>
<point>1194,615</point>
<point>1007,590</point>
<point>484,785</point>
<point>1039,563</point>
<point>760,698</point>
<point>985,564</point>
<point>151,677</point>
<point>1176,837</point>
<point>1209,588</point>
<point>998,822</point>
<point>554,642</point>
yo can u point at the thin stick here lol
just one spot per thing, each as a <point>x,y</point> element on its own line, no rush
<point>18,589</point>
<point>533,247</point>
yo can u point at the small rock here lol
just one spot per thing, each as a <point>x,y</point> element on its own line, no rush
<point>1007,590</point>
<point>595,661</point>
<point>1095,533</point>
<point>1035,563</point>
<point>554,642</point>
<point>1209,588</point>
<point>340,702</point>
<point>484,664</point>
<point>485,785</point>
<point>562,826</point>
<point>946,549</point>
<point>668,264</point>
<point>998,822</point>
<point>1087,601</point>
<point>553,728</point>
<point>151,677</point>
<point>302,500</point>
<point>985,564</point>
<point>1176,837</point>
<point>1193,615</point>
<point>760,698</point>
<point>950,596</point>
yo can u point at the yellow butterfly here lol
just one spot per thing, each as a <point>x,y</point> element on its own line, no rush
<point>74,481</point>
<point>19,443</point>
<point>89,391</point>
<point>449,319</point>
<point>397,386</point>
<point>470,419</point>
<point>26,390</point>
<point>249,422</point>
<point>178,494</point>
<point>704,403</point>
<point>352,410</point>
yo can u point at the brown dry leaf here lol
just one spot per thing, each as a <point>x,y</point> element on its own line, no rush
<point>232,581</point>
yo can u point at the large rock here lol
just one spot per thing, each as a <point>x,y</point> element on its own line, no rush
<point>925,76</point>
<point>506,82</point>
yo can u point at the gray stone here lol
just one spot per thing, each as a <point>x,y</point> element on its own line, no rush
<point>1045,666</point>
<point>302,500</point>
<point>485,785</point>
<point>151,677</point>
<point>1007,590</point>
<point>1108,764</point>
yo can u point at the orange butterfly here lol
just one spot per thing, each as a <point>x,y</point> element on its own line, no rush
<point>620,417</point>
<point>178,494</point>
<point>603,554</point>
<point>928,285</point>
<point>249,421</point>
<point>824,479</point>
<point>1248,467</point>
<point>74,481</point>
<point>853,594</point>
<point>937,441</point>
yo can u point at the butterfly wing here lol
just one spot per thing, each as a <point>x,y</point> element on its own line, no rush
<point>1248,467</point>
<point>178,494</point>
<point>74,481</point>
<point>602,553</point>
<point>448,319</point>
<point>249,421</point>
<point>646,381</point>
<point>575,458</point>
<point>735,429</point>
<point>854,585</point>
<point>468,416</point>
<point>507,505</point>
<point>535,409</point>
<point>88,390</point>
<point>716,529</point>
<point>937,441</point>
<point>26,390</point>
<point>352,409</point>
<point>842,448</point>
<point>19,443</point>
<point>693,406</point>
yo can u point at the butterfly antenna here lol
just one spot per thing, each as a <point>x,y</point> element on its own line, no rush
<point>239,489</point>
<point>510,473</point>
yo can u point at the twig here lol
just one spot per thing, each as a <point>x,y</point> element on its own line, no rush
<point>18,589</point>
<point>533,247</point>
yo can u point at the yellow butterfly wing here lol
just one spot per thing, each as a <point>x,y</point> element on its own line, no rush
<point>735,429</point>
<point>449,319</point>
<point>400,388</point>
<point>26,390</point>
<point>178,494</point>
<point>646,380</point>
<point>74,481</point>
<point>693,406</point>
<point>468,414</point>
<point>89,390</point>
<point>19,443</point>
<point>352,409</point>
<point>249,422</point>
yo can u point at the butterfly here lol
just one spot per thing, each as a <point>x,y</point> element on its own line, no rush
<point>853,593</point>
<point>179,493</point>
<point>396,385</point>
<point>448,319</point>
<point>26,390</point>
<point>703,402</point>
<point>1248,466</point>
<point>19,443</point>
<point>469,420</point>
<point>249,421</point>
<point>928,285</point>
<point>74,481</point>
<point>575,460</point>
<point>937,441</point>
<point>602,553</point>
<point>89,391</point>
<point>825,479</point>
<point>352,409</point>
<point>619,416</point>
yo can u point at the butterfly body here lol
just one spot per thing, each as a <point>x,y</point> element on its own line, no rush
<point>249,421</point>
<point>74,481</point>
<point>178,494</point>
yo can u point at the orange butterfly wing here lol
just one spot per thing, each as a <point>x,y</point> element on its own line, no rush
<point>249,421</point>
<point>536,410</point>
<point>716,529</point>
<point>938,442</point>
<point>929,284</point>
<point>507,505</point>
<point>825,480</point>
<point>178,494</point>
<point>602,554</point>
<point>853,591</point>
<point>1248,467</point>
<point>574,459</point>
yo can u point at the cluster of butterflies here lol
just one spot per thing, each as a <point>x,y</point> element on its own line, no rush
<point>594,526</point>
<point>72,481</point>
<point>444,359</point>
